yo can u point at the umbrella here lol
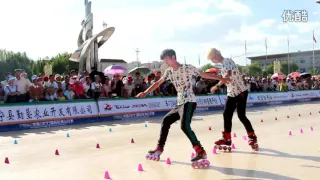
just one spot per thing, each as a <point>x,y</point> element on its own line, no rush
<point>114,69</point>
<point>212,70</point>
<point>278,75</point>
<point>294,74</point>
<point>141,69</point>
<point>305,75</point>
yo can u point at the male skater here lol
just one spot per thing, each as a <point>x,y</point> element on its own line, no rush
<point>237,94</point>
<point>181,77</point>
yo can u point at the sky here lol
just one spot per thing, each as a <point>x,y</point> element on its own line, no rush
<point>46,28</point>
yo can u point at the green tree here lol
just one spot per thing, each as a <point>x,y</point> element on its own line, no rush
<point>314,71</point>
<point>60,63</point>
<point>9,61</point>
<point>293,68</point>
<point>254,69</point>
<point>205,67</point>
<point>268,70</point>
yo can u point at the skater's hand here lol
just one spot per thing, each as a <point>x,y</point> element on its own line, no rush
<point>141,95</point>
<point>213,89</point>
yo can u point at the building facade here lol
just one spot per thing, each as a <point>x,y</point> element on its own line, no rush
<point>153,66</point>
<point>304,59</point>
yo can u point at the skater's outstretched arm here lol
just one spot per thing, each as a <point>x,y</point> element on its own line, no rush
<point>211,76</point>
<point>151,88</point>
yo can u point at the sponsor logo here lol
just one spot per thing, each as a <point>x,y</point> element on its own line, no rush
<point>250,97</point>
<point>154,105</point>
<point>122,106</point>
<point>171,103</point>
<point>139,105</point>
<point>207,101</point>
<point>107,107</point>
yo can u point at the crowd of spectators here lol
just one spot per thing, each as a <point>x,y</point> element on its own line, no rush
<point>18,88</point>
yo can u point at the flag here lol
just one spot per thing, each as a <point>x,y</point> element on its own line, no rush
<point>199,58</point>
<point>314,39</point>
<point>185,60</point>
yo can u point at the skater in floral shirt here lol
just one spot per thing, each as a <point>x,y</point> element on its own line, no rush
<point>237,94</point>
<point>181,77</point>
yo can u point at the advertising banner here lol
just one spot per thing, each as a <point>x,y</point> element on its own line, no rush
<point>44,112</point>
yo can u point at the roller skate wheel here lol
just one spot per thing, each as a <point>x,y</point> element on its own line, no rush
<point>216,147</point>
<point>220,147</point>
<point>194,165</point>
<point>225,148</point>
<point>229,149</point>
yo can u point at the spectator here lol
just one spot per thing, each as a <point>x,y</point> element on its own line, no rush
<point>97,86</point>
<point>117,85</point>
<point>11,91</point>
<point>138,82</point>
<point>149,83</point>
<point>36,92</point>
<point>283,85</point>
<point>69,94</point>
<point>65,82</point>
<point>129,87</point>
<point>58,81</point>
<point>61,96</point>
<point>107,88</point>
<point>78,89</point>
<point>6,77</point>
<point>23,85</point>
<point>201,86</point>
<point>88,88</point>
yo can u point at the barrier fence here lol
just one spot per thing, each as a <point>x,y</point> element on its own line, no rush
<point>47,114</point>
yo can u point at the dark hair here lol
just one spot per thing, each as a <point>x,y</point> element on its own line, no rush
<point>167,52</point>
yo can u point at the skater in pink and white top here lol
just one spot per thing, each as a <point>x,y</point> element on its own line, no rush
<point>237,94</point>
<point>181,77</point>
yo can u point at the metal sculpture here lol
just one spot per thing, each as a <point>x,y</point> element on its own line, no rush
<point>88,44</point>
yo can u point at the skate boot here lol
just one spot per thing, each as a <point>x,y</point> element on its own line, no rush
<point>154,154</point>
<point>224,143</point>
<point>253,141</point>
<point>200,160</point>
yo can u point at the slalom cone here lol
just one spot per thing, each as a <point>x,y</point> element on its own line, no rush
<point>301,131</point>
<point>132,141</point>
<point>68,135</point>
<point>261,120</point>
<point>214,151</point>
<point>15,142</point>
<point>106,175</point>
<point>311,128</point>
<point>57,152</point>
<point>110,130</point>
<point>310,113</point>
<point>168,161</point>
<point>233,146</point>
<point>146,125</point>
<point>234,135</point>
<point>276,118</point>
<point>140,167</point>
<point>288,117</point>
<point>299,115</point>
<point>244,138</point>
<point>290,133</point>
<point>7,160</point>
<point>209,128</point>
<point>98,146</point>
